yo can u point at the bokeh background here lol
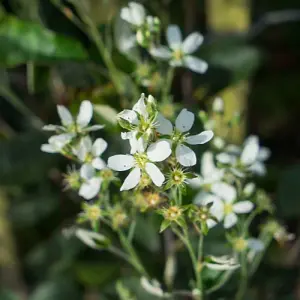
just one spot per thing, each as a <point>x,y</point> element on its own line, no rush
<point>253,48</point>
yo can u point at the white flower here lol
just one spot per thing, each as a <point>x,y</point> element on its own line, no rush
<point>249,189</point>
<point>80,124</point>
<point>134,14</point>
<point>91,183</point>
<point>140,122</point>
<point>251,157</point>
<point>178,53</point>
<point>225,206</point>
<point>153,287</point>
<point>184,122</point>
<point>218,142</point>
<point>218,105</point>
<point>57,142</point>
<point>209,172</point>
<point>142,162</point>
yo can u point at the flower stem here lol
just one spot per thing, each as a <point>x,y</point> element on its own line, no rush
<point>225,277</point>
<point>135,260</point>
<point>244,278</point>
<point>186,240</point>
<point>168,83</point>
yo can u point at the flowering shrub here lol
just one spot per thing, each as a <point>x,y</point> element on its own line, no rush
<point>161,177</point>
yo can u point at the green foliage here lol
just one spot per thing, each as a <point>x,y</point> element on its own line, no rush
<point>24,41</point>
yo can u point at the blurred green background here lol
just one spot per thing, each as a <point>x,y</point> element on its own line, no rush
<point>253,48</point>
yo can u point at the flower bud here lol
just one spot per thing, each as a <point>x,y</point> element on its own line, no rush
<point>218,105</point>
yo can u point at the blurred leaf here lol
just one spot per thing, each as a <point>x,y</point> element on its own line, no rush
<point>147,234</point>
<point>107,113</point>
<point>24,41</point>
<point>22,161</point>
<point>123,292</point>
<point>233,54</point>
<point>289,192</point>
<point>96,274</point>
<point>59,289</point>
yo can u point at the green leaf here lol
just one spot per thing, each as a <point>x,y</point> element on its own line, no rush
<point>59,289</point>
<point>23,41</point>
<point>8,295</point>
<point>164,225</point>
<point>96,274</point>
<point>289,192</point>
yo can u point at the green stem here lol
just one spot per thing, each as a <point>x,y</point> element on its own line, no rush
<point>185,239</point>
<point>131,231</point>
<point>244,278</point>
<point>168,83</point>
<point>135,260</point>
<point>225,277</point>
<point>200,259</point>
<point>30,77</point>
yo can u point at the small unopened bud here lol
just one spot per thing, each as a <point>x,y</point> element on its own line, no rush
<point>249,189</point>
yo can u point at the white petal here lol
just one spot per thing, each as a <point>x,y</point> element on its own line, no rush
<point>255,244</point>
<point>59,141</point>
<point>87,171</point>
<point>137,145</point>
<point>174,37</point>
<point>263,154</point>
<point>258,168</point>
<point>192,43</point>
<point>126,15</point>
<point>49,148</point>
<point>120,162</point>
<point>164,125</point>
<point>211,223</point>
<point>90,188</point>
<point>85,147</point>
<point>161,52</point>
<point>138,13</point>
<point>155,174</point>
<point>233,149</point>
<point>85,113</point>
<point>195,64</point>
<point>195,183</point>
<point>204,198</point>
<point>98,163</point>
<point>200,138</point>
<point>185,120</point>
<point>159,150</point>
<point>217,209</point>
<point>185,156</point>
<point>230,220</point>
<point>64,115</point>
<point>94,128</point>
<point>250,151</point>
<point>243,207</point>
<point>132,180</point>
<point>225,158</point>
<point>99,147</point>
<point>141,107</point>
<point>218,142</point>
<point>129,116</point>
<point>207,164</point>
<point>224,191</point>
<point>51,127</point>
<point>218,105</point>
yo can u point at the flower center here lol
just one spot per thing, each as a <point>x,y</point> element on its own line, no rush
<point>107,173</point>
<point>240,244</point>
<point>153,199</point>
<point>178,137</point>
<point>140,160</point>
<point>178,54</point>
<point>172,213</point>
<point>93,213</point>
<point>178,176</point>
<point>228,208</point>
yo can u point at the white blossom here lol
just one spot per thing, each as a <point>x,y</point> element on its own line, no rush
<point>180,137</point>
<point>250,158</point>
<point>89,153</point>
<point>57,142</point>
<point>142,163</point>
<point>75,125</point>
<point>179,52</point>
<point>134,14</point>
<point>222,263</point>
<point>209,172</point>
<point>91,183</point>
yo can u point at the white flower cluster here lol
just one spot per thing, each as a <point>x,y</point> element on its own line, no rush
<point>73,141</point>
<point>178,53</point>
<point>153,139</point>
